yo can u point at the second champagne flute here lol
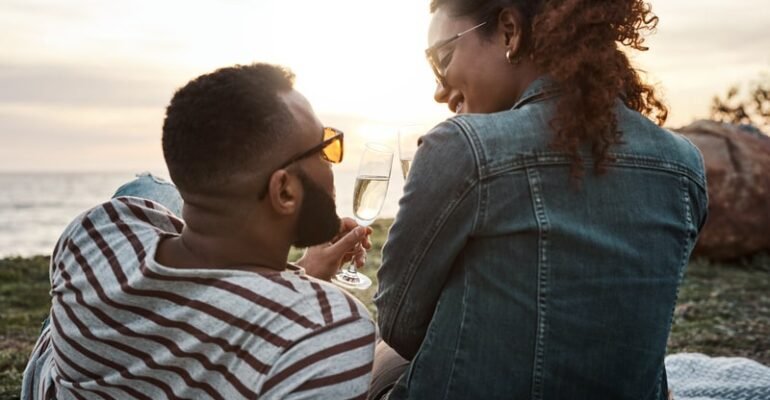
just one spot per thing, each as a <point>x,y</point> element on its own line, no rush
<point>408,136</point>
<point>368,199</point>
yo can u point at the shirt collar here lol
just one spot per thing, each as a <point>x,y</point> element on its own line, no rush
<point>539,88</point>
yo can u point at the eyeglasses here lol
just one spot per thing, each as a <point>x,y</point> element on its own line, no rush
<point>439,65</point>
<point>331,148</point>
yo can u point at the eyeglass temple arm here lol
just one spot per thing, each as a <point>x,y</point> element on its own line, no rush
<point>444,42</point>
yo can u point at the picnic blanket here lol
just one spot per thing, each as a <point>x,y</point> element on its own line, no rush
<point>693,376</point>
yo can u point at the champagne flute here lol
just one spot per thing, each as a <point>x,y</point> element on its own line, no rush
<point>408,135</point>
<point>368,199</point>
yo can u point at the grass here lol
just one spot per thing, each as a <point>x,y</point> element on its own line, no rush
<point>723,309</point>
<point>24,303</point>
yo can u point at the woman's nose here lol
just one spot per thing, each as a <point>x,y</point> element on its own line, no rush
<point>441,95</point>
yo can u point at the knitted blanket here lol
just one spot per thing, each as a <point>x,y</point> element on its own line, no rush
<point>693,376</point>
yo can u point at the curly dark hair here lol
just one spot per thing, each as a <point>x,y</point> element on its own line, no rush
<point>222,122</point>
<point>578,44</point>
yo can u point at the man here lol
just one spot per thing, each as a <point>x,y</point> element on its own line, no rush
<point>146,306</point>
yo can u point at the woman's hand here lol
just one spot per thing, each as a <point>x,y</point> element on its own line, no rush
<point>351,243</point>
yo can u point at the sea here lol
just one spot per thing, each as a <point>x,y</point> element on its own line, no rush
<point>35,207</point>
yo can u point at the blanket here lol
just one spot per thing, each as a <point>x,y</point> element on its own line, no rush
<point>693,376</point>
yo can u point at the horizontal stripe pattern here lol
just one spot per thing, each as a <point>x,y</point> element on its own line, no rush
<point>330,364</point>
<point>124,327</point>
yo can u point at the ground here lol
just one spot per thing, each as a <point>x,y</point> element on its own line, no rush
<point>723,309</point>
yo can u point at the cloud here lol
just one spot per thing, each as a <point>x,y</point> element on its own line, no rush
<point>89,86</point>
<point>32,141</point>
<point>40,127</point>
<point>712,31</point>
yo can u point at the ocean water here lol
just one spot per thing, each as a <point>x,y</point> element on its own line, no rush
<point>36,207</point>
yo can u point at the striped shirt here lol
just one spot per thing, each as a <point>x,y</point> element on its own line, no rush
<point>123,326</point>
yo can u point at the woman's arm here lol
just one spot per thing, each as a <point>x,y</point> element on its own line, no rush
<point>437,214</point>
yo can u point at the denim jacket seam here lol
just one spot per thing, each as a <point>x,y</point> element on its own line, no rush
<point>664,166</point>
<point>411,267</point>
<point>547,158</point>
<point>635,159</point>
<point>687,244</point>
<point>703,176</point>
<point>470,134</point>
<point>555,157</point>
<point>460,329</point>
<point>541,216</point>
<point>480,160</point>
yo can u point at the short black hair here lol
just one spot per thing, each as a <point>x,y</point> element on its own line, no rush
<point>222,122</point>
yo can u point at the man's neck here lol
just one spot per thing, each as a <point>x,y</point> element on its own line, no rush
<point>227,242</point>
<point>186,253</point>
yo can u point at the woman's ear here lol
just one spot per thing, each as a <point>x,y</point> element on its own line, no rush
<point>284,192</point>
<point>509,24</point>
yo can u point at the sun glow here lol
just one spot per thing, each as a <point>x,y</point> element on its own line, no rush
<point>347,61</point>
<point>373,132</point>
<point>84,72</point>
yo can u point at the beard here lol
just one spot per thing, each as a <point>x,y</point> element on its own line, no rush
<point>318,221</point>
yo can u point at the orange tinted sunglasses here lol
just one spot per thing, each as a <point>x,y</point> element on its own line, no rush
<point>331,148</point>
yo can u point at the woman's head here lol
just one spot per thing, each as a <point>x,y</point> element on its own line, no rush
<point>470,55</point>
<point>577,43</point>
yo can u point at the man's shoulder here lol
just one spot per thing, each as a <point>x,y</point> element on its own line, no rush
<point>119,223</point>
<point>126,210</point>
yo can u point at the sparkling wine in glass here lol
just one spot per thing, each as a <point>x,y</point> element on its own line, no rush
<point>408,135</point>
<point>368,198</point>
<point>406,163</point>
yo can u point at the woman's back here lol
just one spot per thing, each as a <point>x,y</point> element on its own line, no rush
<point>514,281</point>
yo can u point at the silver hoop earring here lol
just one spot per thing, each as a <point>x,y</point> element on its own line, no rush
<point>511,57</point>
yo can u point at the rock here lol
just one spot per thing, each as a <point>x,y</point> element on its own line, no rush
<point>738,173</point>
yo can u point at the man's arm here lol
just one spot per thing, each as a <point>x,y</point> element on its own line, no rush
<point>437,214</point>
<point>332,363</point>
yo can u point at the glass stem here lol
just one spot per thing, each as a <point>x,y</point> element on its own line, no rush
<point>352,265</point>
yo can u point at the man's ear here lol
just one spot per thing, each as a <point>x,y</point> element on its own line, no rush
<point>509,23</point>
<point>284,192</point>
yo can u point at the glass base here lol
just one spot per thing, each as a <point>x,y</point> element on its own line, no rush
<point>352,280</point>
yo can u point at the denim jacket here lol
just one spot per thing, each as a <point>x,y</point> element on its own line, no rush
<point>503,279</point>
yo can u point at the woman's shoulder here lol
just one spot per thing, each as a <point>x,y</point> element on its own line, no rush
<point>643,138</point>
<point>502,135</point>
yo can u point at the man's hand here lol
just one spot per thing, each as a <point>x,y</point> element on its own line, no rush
<point>351,243</point>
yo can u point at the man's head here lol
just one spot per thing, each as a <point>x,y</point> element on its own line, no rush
<point>226,139</point>
<point>221,126</point>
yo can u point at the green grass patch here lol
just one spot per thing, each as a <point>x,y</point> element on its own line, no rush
<point>24,303</point>
<point>723,309</point>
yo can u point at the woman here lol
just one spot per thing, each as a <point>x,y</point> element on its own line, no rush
<point>543,230</point>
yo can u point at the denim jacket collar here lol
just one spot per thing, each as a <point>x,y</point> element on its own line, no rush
<point>540,88</point>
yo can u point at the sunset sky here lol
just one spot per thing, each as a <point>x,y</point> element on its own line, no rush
<point>84,83</point>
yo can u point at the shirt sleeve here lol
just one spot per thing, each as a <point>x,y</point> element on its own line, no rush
<point>436,216</point>
<point>332,363</point>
